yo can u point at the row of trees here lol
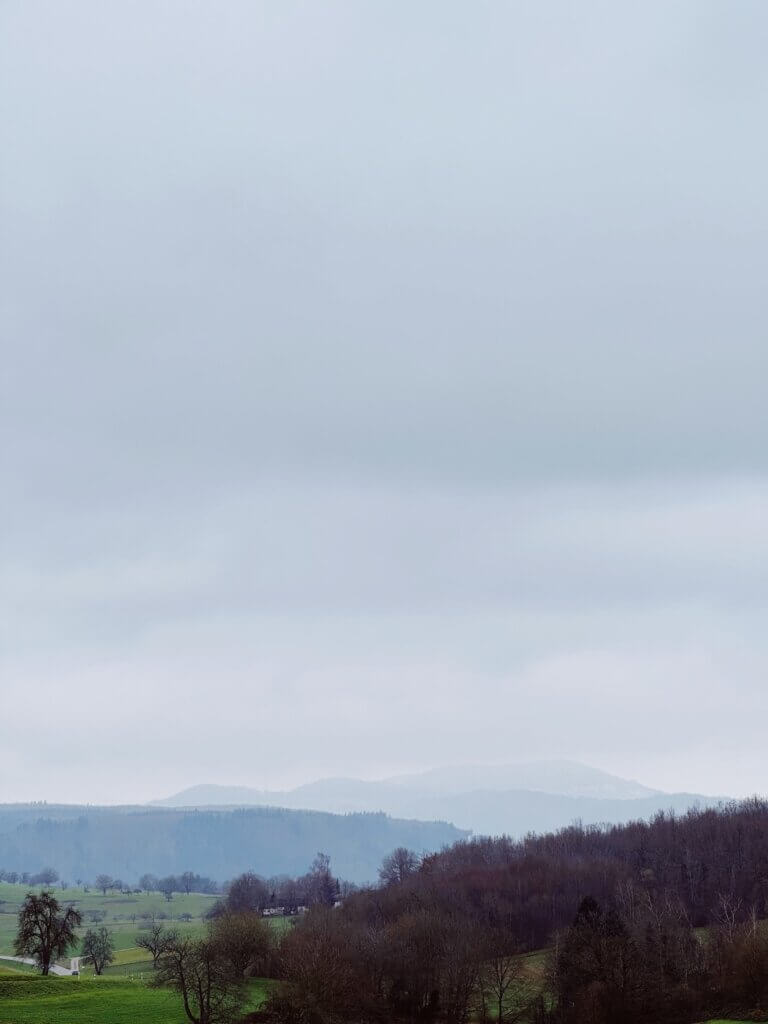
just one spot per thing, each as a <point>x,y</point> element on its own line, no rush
<point>318,885</point>
<point>46,876</point>
<point>251,892</point>
<point>187,881</point>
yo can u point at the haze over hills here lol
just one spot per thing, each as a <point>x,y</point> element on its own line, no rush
<point>562,777</point>
<point>220,831</point>
<point>83,841</point>
<point>490,799</point>
<point>566,778</point>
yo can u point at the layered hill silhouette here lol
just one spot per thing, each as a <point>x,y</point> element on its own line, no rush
<point>220,831</point>
<point>487,799</point>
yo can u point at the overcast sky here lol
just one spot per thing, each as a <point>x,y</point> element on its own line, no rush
<point>383,386</point>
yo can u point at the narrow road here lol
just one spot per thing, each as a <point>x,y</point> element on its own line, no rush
<point>55,969</point>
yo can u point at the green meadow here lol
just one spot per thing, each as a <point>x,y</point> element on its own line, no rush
<point>26,999</point>
<point>125,917</point>
<point>122,995</point>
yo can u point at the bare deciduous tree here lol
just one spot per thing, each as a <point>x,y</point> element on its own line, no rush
<point>98,948</point>
<point>398,865</point>
<point>504,988</point>
<point>204,978</point>
<point>244,939</point>
<point>156,940</point>
<point>104,882</point>
<point>247,892</point>
<point>45,931</point>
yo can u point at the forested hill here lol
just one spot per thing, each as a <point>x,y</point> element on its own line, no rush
<point>648,922</point>
<point>698,858</point>
<point>81,842</point>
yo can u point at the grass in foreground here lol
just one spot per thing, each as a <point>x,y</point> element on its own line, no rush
<point>36,1000</point>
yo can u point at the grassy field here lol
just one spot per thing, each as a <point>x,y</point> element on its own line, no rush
<point>121,996</point>
<point>36,1000</point>
<point>24,1000</point>
<point>124,916</point>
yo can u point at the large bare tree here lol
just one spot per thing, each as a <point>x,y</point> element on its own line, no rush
<point>98,948</point>
<point>398,865</point>
<point>205,979</point>
<point>156,940</point>
<point>45,930</point>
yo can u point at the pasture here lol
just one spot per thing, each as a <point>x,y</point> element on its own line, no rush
<point>35,1000</point>
<point>121,996</point>
<point>126,916</point>
<point>123,915</point>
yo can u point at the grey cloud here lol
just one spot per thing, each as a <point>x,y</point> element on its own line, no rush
<point>333,550</point>
<point>466,243</point>
<point>373,346</point>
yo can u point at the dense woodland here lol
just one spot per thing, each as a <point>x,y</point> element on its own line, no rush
<point>649,921</point>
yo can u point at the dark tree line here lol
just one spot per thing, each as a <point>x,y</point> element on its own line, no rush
<point>283,894</point>
<point>639,959</point>
<point>248,891</point>
<point>698,857</point>
<point>186,882</point>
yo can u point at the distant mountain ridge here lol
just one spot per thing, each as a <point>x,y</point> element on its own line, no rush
<point>560,777</point>
<point>488,799</point>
